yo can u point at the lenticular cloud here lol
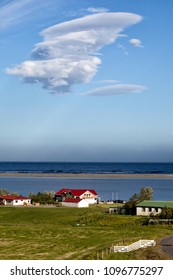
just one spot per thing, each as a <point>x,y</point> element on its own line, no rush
<point>68,53</point>
<point>115,90</point>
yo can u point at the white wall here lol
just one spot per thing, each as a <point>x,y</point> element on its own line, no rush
<point>17,202</point>
<point>141,212</point>
<point>21,202</point>
<point>82,203</point>
<point>91,200</point>
<point>90,197</point>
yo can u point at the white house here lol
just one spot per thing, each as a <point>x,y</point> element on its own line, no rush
<point>14,200</point>
<point>152,207</point>
<point>75,202</point>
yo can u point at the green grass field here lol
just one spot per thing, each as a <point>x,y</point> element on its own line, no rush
<point>70,233</point>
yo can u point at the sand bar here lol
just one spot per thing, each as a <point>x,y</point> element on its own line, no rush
<point>81,175</point>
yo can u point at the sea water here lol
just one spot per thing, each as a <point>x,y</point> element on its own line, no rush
<point>107,188</point>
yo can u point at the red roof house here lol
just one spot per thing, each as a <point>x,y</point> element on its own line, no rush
<point>88,194</point>
<point>15,200</point>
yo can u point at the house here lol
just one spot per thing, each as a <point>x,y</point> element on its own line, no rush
<point>14,200</point>
<point>117,210</point>
<point>75,202</point>
<point>152,207</point>
<point>88,194</point>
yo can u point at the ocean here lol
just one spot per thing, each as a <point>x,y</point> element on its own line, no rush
<point>87,167</point>
<point>107,188</point>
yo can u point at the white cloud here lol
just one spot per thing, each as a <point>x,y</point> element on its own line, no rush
<point>123,48</point>
<point>18,12</point>
<point>13,12</point>
<point>115,90</point>
<point>136,43</point>
<point>57,75</point>
<point>84,12</point>
<point>96,10</point>
<point>106,82</point>
<point>68,53</point>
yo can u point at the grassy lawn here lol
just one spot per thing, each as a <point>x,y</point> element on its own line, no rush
<point>71,233</point>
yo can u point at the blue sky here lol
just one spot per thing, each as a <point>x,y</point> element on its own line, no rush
<point>86,80</point>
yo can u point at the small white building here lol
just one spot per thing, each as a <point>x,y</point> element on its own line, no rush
<point>15,200</point>
<point>152,207</point>
<point>75,202</point>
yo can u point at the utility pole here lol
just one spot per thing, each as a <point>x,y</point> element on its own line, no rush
<point>116,196</point>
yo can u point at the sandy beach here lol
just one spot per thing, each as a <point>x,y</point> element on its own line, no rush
<point>79,175</point>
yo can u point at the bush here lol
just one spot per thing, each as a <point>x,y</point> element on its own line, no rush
<point>167,213</point>
<point>42,198</point>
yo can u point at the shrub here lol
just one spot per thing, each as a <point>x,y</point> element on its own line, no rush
<point>167,213</point>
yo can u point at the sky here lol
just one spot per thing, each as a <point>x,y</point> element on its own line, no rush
<point>86,80</point>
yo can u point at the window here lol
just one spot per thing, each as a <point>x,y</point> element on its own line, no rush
<point>143,209</point>
<point>150,209</point>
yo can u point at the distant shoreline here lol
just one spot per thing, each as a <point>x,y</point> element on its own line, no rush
<point>89,175</point>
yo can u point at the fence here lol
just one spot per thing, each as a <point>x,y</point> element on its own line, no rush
<point>134,246</point>
<point>103,254</point>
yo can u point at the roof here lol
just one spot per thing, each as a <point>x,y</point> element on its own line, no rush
<point>155,203</point>
<point>75,192</point>
<point>62,191</point>
<point>13,197</point>
<point>73,200</point>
